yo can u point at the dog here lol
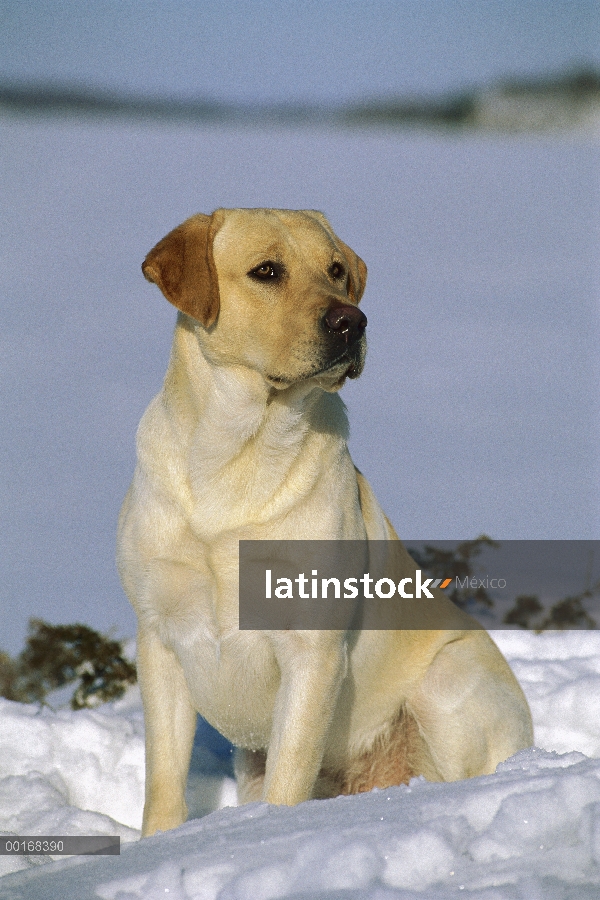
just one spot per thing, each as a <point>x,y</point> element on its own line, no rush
<point>248,440</point>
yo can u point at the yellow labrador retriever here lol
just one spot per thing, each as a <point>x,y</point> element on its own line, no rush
<point>248,440</point>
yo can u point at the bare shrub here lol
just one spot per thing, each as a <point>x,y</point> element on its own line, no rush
<point>57,655</point>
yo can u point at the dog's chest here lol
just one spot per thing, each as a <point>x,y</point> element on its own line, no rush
<point>233,681</point>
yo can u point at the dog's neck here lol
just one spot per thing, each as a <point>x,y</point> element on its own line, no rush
<point>223,398</point>
<point>234,424</point>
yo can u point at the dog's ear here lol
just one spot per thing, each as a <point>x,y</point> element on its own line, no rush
<point>183,267</point>
<point>357,272</point>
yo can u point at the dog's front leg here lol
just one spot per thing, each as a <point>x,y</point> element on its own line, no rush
<point>170,724</point>
<point>312,665</point>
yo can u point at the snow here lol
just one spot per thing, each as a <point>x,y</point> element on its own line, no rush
<point>531,830</point>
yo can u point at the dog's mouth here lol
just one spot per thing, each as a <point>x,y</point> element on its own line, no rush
<point>345,362</point>
<point>348,364</point>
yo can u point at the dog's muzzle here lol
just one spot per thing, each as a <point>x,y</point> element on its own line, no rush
<point>343,348</point>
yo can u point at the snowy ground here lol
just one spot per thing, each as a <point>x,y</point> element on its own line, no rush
<point>532,830</point>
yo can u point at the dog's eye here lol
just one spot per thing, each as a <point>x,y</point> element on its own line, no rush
<point>336,271</point>
<point>267,271</point>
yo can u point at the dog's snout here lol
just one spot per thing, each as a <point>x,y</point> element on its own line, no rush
<point>348,322</point>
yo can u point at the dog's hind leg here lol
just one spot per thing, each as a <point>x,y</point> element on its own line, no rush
<point>397,755</point>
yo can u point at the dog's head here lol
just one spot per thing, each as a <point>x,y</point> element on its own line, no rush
<point>272,289</point>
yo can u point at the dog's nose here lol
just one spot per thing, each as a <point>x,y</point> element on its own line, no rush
<point>349,322</point>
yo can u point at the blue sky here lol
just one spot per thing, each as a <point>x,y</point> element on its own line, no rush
<point>313,50</point>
